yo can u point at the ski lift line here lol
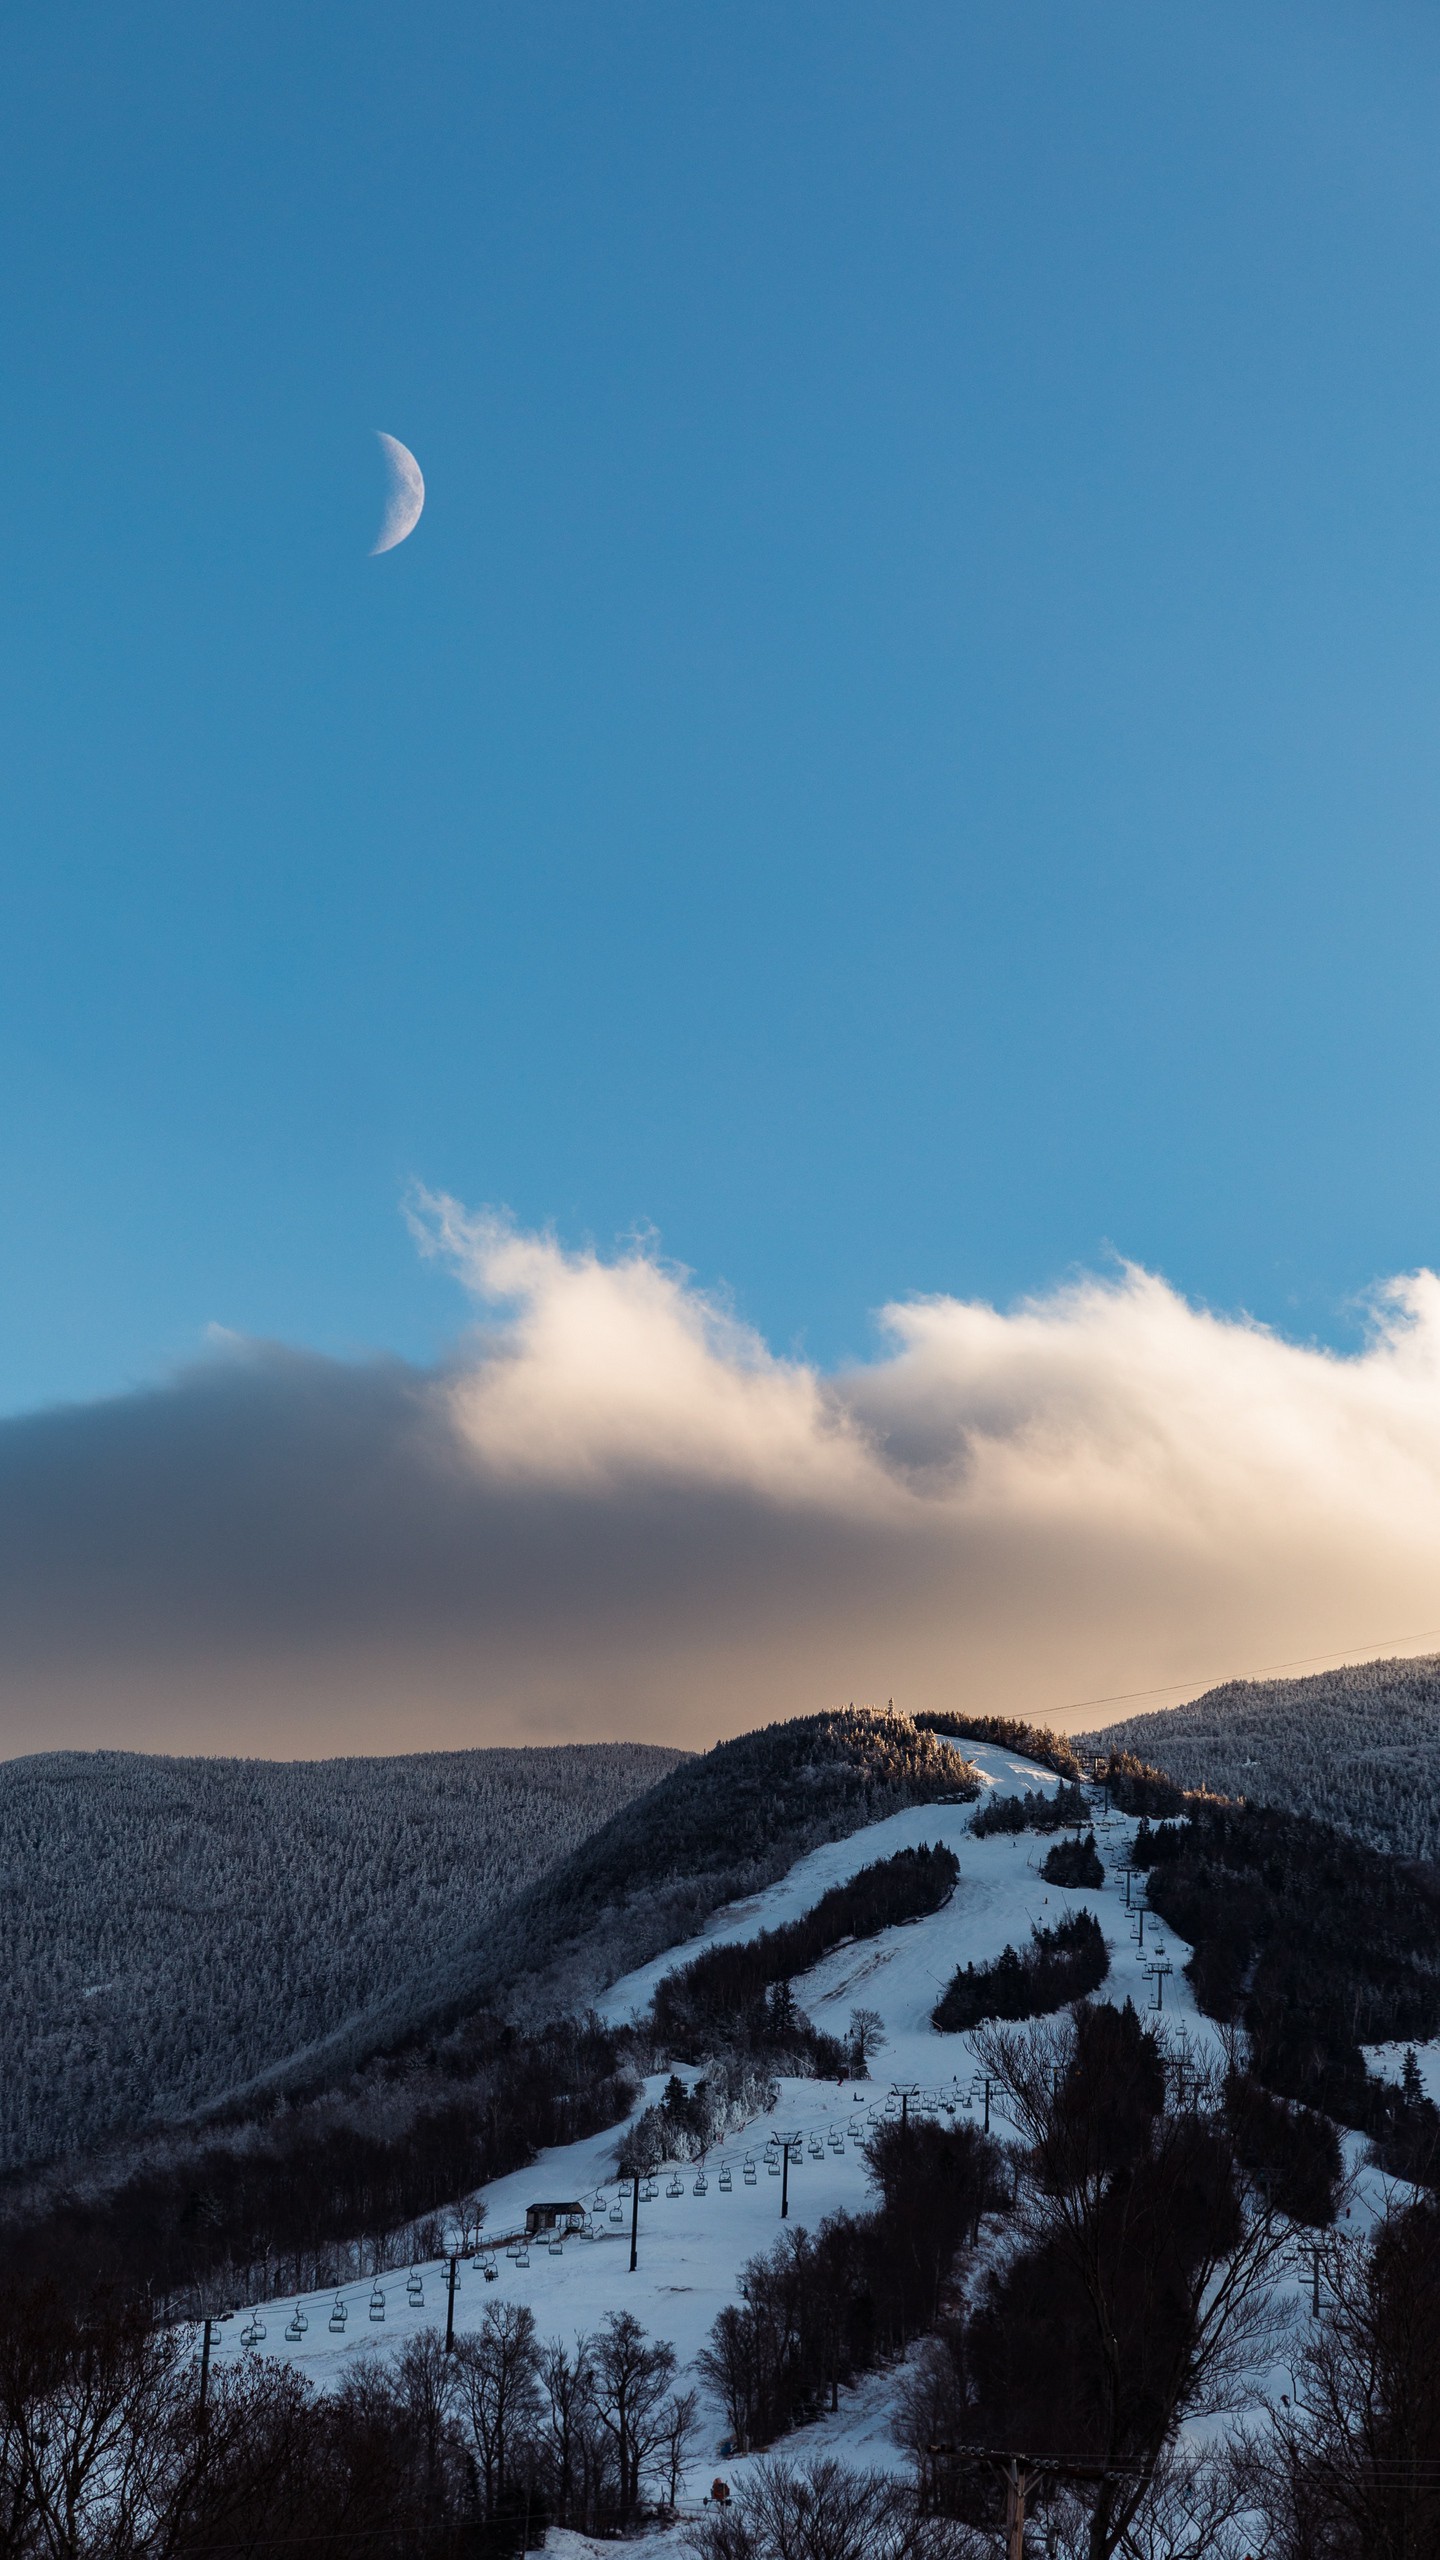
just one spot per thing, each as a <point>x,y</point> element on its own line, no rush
<point>800,2141</point>
<point>1375,1648</point>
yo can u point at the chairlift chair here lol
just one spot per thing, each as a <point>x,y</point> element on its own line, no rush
<point>490,2271</point>
<point>617,2211</point>
<point>677,2184</point>
<point>522,2254</point>
<point>649,2191</point>
<point>294,2331</point>
<point>702,2184</point>
<point>338,2315</point>
<point>253,2332</point>
<point>726,2181</point>
<point>817,2148</point>
<point>377,2304</point>
<point>557,2244</point>
<point>751,2173</point>
<point>415,2289</point>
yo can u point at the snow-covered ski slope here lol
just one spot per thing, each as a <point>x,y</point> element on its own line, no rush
<point>693,2245</point>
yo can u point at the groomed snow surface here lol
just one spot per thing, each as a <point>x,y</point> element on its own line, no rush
<point>692,2246</point>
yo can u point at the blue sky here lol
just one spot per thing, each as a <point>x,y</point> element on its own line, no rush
<point>904,753</point>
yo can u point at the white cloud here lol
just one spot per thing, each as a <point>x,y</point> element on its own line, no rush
<point>614,1510</point>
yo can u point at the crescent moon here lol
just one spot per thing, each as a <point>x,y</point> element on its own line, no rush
<point>406,494</point>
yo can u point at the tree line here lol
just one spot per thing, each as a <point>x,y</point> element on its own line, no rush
<point>724,1995</point>
<point>1009,1733</point>
<point>1060,1964</point>
<point>107,2451</point>
<point>332,2191</point>
<point>1316,1946</point>
<point>1059,1810</point>
<point>1139,2291</point>
<point>816,2311</point>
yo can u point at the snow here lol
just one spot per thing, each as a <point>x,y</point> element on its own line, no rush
<point>1001,1771</point>
<point>693,2247</point>
<point>1387,2061</point>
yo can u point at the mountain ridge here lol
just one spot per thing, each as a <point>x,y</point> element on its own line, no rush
<point>1358,1747</point>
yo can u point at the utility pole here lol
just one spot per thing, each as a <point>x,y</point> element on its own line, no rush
<point>635,2225</point>
<point>1312,2252</point>
<point>450,2305</point>
<point>1155,1972</point>
<point>785,2184</point>
<point>205,2360</point>
<point>1016,2483</point>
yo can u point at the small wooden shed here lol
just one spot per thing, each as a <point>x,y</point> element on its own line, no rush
<point>553,2217</point>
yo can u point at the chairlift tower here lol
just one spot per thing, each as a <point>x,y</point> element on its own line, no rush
<point>904,2091</point>
<point>794,2142</point>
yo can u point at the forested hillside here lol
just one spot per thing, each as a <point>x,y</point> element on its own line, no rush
<point>368,2148</point>
<point>1359,1748</point>
<point>722,1824</point>
<point>170,1928</point>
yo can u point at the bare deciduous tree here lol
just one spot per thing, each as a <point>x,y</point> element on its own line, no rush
<point>498,2393</point>
<point>632,2376</point>
<point>867,2036</point>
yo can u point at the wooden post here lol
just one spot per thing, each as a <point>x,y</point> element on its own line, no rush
<point>1014,2511</point>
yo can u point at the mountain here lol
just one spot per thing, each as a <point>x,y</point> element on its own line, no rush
<point>171,1929</point>
<point>1359,1748</point>
<point>468,2067</point>
<point>717,1826</point>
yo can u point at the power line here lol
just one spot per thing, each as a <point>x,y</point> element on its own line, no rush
<point>1337,1655</point>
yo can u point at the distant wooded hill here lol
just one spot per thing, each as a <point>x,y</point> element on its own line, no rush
<point>172,1929</point>
<point>1359,1748</point>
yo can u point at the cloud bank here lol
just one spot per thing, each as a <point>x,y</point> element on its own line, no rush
<point>615,1512</point>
